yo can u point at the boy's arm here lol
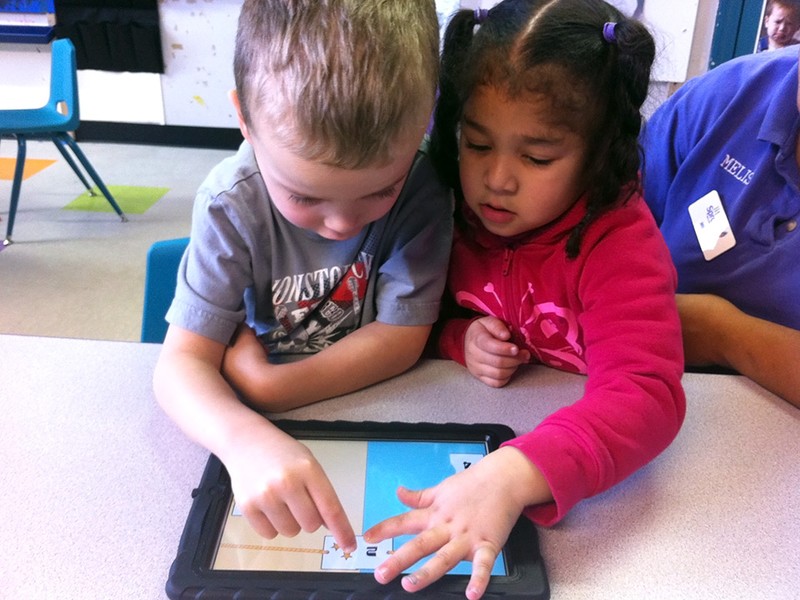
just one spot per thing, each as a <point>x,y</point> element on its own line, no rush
<point>370,354</point>
<point>716,332</point>
<point>189,388</point>
<point>276,480</point>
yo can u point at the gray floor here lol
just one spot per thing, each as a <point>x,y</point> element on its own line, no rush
<point>81,274</point>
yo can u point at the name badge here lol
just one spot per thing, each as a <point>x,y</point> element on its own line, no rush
<point>711,225</point>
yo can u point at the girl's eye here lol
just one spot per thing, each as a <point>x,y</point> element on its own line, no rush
<point>477,147</point>
<point>539,162</point>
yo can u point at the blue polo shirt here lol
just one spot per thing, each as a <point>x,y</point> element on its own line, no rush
<point>733,130</point>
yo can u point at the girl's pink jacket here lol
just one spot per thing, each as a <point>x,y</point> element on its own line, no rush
<point>610,314</point>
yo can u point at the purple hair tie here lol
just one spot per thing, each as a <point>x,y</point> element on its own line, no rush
<point>609,32</point>
<point>480,15</point>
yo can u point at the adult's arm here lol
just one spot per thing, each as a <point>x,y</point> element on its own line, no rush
<point>715,332</point>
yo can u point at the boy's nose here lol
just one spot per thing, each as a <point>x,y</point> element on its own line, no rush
<point>345,225</point>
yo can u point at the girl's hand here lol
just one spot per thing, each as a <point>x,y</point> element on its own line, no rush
<point>468,516</point>
<point>282,489</point>
<point>490,357</point>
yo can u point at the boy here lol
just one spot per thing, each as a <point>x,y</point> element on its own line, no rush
<point>327,233</point>
<point>781,22</point>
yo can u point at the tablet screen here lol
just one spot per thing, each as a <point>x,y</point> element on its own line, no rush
<point>365,475</point>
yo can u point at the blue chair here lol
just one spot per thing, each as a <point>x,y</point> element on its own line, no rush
<point>54,120</point>
<point>160,279</point>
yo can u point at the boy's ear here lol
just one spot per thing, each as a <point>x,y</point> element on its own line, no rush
<point>234,97</point>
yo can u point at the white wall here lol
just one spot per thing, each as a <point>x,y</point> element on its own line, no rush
<point>197,38</point>
<point>197,42</point>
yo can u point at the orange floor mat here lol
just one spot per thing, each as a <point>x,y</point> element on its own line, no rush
<point>32,166</point>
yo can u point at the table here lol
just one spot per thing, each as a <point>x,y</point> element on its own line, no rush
<point>96,480</point>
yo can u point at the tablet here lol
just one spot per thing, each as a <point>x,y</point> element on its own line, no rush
<point>221,557</point>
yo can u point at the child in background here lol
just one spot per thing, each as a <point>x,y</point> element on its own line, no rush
<point>781,22</point>
<point>556,261</point>
<point>328,233</point>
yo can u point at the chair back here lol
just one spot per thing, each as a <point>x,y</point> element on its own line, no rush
<point>161,275</point>
<point>64,84</point>
<point>61,113</point>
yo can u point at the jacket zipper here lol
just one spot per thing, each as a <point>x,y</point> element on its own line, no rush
<point>510,296</point>
<point>508,254</point>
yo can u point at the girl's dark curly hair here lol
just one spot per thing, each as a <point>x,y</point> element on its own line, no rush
<point>595,83</point>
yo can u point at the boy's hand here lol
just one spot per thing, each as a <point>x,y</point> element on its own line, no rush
<point>490,357</point>
<point>468,516</point>
<point>282,489</point>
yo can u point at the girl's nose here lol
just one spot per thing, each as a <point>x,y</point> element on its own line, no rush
<point>500,177</point>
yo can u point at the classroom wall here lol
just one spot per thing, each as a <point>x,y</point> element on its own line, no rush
<point>197,43</point>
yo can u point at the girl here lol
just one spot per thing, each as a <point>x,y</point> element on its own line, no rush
<point>556,260</point>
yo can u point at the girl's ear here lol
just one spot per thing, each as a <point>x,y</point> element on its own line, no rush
<point>234,97</point>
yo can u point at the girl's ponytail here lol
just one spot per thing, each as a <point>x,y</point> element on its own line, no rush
<point>631,55</point>
<point>444,136</point>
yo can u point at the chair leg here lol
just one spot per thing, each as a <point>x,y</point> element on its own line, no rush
<point>62,148</point>
<point>92,173</point>
<point>15,187</point>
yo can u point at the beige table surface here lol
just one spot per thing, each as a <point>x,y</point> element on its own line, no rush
<point>96,480</point>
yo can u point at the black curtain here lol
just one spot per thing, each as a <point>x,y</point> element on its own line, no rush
<point>112,35</point>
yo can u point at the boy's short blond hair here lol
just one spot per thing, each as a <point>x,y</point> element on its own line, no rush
<point>337,81</point>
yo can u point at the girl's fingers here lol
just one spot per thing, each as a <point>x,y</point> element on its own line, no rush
<point>447,557</point>
<point>425,543</point>
<point>415,498</point>
<point>482,563</point>
<point>408,523</point>
<point>496,328</point>
<point>493,381</point>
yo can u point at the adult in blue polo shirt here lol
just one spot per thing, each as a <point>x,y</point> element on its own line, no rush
<point>721,175</point>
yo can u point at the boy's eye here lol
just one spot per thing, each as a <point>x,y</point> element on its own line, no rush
<point>303,200</point>
<point>387,193</point>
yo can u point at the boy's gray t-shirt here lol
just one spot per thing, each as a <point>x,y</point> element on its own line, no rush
<point>299,291</point>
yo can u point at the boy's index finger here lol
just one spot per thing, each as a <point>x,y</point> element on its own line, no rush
<point>342,532</point>
<point>333,515</point>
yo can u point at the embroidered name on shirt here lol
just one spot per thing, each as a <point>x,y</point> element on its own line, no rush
<point>737,169</point>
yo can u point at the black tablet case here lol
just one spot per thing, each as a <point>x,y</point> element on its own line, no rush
<point>191,578</point>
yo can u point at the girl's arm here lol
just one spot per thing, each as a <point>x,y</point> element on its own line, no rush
<point>633,404</point>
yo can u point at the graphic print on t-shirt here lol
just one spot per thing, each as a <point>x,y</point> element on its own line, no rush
<point>315,309</point>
